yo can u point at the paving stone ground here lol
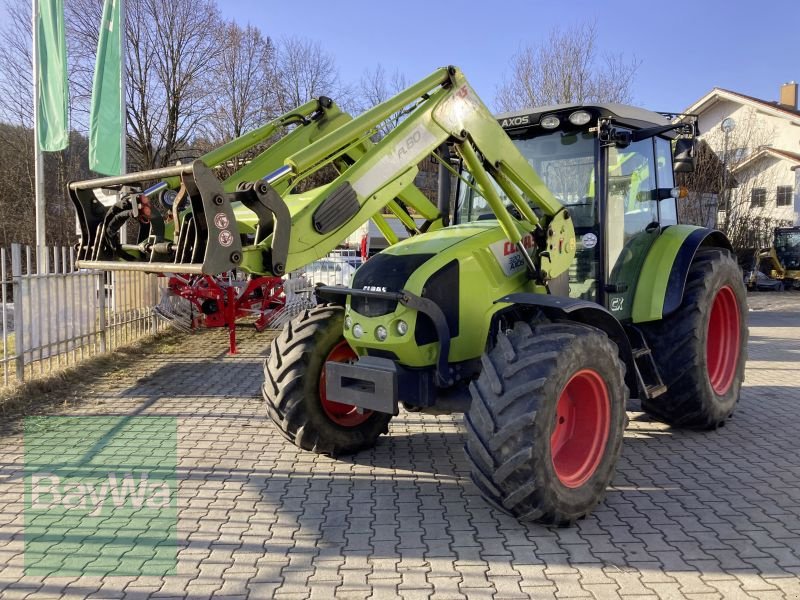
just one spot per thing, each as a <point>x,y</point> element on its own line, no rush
<point>690,515</point>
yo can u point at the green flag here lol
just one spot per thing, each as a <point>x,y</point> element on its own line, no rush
<point>51,48</point>
<point>106,118</point>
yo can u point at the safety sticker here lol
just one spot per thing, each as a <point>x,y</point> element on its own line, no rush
<point>221,221</point>
<point>225,238</point>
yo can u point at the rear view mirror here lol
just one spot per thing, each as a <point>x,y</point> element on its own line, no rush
<point>683,155</point>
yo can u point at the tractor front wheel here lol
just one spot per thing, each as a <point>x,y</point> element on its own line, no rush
<point>701,348</point>
<point>546,422</point>
<point>294,387</point>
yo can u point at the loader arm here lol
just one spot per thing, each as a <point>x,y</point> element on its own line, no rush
<point>160,199</point>
<point>297,227</point>
<point>447,110</point>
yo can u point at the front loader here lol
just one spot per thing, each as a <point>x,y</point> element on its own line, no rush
<point>563,287</point>
<point>199,228</point>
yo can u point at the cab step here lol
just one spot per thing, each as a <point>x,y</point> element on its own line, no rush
<point>646,370</point>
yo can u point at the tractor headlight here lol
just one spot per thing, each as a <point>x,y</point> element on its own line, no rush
<point>580,117</point>
<point>550,122</point>
<point>380,333</point>
<point>402,327</point>
<point>358,330</point>
<point>348,322</point>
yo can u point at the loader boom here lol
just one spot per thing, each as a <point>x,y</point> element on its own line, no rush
<point>294,226</point>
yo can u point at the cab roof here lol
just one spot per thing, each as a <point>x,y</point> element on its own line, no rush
<point>632,116</point>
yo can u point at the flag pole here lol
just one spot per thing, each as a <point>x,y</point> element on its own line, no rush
<point>38,156</point>
<point>122,76</point>
<point>123,152</point>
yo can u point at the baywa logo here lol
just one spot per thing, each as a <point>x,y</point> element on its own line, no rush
<point>137,491</point>
<point>100,496</point>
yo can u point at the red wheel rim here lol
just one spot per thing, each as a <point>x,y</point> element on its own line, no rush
<point>345,415</point>
<point>583,417</point>
<point>723,339</point>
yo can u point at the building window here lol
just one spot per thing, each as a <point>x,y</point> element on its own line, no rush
<point>784,197</point>
<point>758,197</point>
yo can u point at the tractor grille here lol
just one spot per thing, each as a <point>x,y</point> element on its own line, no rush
<point>385,272</point>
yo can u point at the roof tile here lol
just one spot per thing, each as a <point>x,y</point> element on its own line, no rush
<point>772,104</point>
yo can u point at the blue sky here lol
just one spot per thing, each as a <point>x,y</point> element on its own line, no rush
<point>685,47</point>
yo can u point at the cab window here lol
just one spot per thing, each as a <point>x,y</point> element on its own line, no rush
<point>668,214</point>
<point>564,160</point>
<point>632,204</point>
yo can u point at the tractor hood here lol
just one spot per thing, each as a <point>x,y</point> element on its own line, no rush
<point>462,270</point>
<point>440,240</point>
<point>391,270</point>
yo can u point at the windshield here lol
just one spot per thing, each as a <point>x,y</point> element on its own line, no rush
<point>565,162</point>
<point>787,247</point>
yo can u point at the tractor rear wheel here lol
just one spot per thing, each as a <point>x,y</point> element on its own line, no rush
<point>700,349</point>
<point>294,387</point>
<point>546,422</point>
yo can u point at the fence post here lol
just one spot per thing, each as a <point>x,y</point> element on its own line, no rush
<point>16,287</point>
<point>154,300</point>
<point>101,304</point>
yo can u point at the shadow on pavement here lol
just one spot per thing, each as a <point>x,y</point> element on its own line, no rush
<point>201,379</point>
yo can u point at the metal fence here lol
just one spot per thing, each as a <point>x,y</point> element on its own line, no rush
<point>337,268</point>
<point>54,316</point>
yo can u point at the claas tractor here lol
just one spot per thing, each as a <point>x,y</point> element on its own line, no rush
<point>558,287</point>
<point>781,261</point>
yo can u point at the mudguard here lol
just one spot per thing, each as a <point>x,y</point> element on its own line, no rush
<point>662,281</point>
<point>588,313</point>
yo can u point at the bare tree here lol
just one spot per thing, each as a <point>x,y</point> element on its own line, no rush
<point>245,98</point>
<point>705,187</point>
<point>303,70</point>
<point>16,105</point>
<point>171,55</point>
<point>566,68</point>
<point>374,87</point>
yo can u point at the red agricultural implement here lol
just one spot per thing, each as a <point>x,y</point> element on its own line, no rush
<point>221,301</point>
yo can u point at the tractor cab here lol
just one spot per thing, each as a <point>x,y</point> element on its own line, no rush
<point>787,247</point>
<point>611,166</point>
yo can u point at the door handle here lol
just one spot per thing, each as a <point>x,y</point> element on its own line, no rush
<point>616,288</point>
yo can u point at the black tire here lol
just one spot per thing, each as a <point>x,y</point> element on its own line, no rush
<point>679,344</point>
<point>514,414</point>
<point>291,387</point>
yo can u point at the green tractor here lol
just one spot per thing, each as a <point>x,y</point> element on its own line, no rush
<point>539,340</point>
<point>560,286</point>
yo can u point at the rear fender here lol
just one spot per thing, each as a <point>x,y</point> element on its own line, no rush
<point>659,291</point>
<point>561,308</point>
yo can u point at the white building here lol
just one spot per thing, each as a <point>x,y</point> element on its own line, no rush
<point>761,150</point>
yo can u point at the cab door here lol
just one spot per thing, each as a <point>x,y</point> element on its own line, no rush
<point>632,219</point>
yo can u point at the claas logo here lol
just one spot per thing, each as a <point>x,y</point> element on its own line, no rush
<point>509,248</point>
